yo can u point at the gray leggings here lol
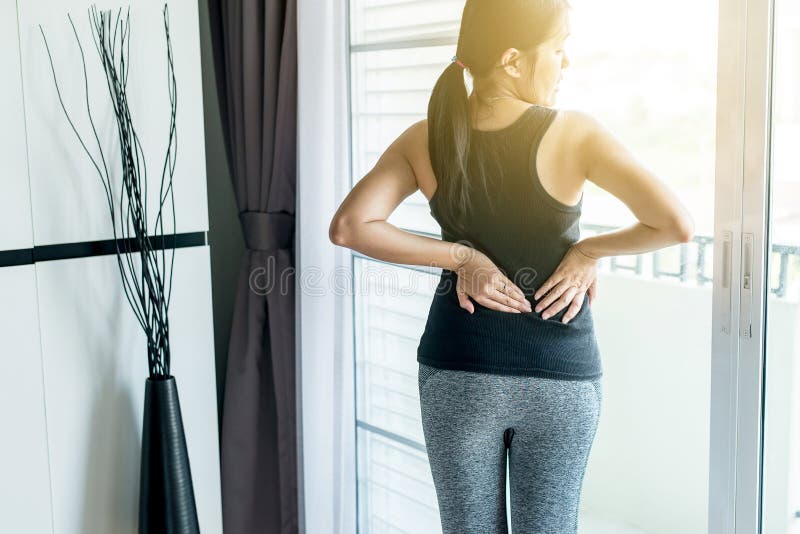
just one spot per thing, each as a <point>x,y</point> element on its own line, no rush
<point>471,420</point>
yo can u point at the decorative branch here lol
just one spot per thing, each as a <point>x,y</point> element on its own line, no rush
<point>148,296</point>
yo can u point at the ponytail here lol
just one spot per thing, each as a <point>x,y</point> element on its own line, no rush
<point>449,141</point>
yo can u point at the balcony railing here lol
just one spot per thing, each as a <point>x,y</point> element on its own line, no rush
<point>701,244</point>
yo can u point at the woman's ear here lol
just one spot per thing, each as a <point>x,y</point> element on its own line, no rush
<point>512,62</point>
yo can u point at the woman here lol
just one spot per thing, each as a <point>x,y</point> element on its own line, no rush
<point>509,366</point>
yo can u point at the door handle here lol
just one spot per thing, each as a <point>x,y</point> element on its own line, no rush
<point>727,243</point>
<point>747,285</point>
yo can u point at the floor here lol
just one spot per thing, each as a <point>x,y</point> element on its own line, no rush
<point>588,524</point>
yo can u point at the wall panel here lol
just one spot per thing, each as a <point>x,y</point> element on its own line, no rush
<point>95,365</point>
<point>69,203</point>
<point>24,478</point>
<point>15,206</point>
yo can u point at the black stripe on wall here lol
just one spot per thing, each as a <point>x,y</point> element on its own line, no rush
<point>103,247</point>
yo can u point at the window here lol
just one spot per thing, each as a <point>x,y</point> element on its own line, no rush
<point>658,95</point>
<point>397,51</point>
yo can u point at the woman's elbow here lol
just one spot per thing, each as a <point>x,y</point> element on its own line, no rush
<point>339,231</point>
<point>684,228</point>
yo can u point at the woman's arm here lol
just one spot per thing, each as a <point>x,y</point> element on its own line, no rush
<point>361,224</point>
<point>663,220</point>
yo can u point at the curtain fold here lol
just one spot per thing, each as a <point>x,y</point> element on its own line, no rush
<point>255,57</point>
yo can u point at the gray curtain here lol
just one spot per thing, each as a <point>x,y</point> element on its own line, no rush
<point>255,57</point>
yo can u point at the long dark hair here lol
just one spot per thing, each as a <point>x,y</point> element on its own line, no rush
<point>488,28</point>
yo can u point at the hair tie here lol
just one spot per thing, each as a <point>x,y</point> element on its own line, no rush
<point>459,62</point>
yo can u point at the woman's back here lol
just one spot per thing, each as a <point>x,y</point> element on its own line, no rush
<point>525,231</point>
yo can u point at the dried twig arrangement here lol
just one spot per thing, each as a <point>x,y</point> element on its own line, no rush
<point>145,291</point>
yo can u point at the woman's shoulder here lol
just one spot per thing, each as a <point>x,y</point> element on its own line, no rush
<point>579,127</point>
<point>572,130</point>
<point>571,123</point>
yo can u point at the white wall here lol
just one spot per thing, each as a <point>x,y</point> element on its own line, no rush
<point>15,218</point>
<point>25,504</point>
<point>72,354</point>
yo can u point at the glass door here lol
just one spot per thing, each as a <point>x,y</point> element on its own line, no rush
<point>755,449</point>
<point>780,498</point>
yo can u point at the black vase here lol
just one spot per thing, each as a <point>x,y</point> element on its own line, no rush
<point>166,496</point>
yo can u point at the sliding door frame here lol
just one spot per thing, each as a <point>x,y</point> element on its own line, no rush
<point>740,265</point>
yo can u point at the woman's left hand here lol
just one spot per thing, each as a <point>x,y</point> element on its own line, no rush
<point>575,276</point>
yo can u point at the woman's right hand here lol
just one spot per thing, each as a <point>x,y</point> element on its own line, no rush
<point>481,279</point>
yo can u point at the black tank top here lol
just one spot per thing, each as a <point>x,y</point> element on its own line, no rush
<point>526,236</point>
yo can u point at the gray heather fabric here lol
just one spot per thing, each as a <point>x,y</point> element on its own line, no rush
<point>472,420</point>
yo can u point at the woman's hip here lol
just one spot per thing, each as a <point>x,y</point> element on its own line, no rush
<point>508,399</point>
